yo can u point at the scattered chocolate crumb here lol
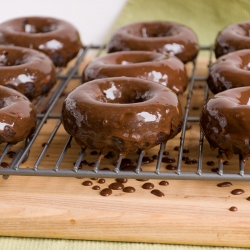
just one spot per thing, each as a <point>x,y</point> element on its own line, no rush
<point>96,187</point>
<point>142,179</point>
<point>226,163</point>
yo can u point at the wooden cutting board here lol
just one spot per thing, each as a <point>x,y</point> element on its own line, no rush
<point>191,212</point>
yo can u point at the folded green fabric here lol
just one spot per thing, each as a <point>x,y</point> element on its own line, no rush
<point>205,17</point>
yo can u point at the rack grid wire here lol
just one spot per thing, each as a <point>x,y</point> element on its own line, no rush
<point>45,106</point>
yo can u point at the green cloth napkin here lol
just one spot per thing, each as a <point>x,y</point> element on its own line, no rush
<point>206,18</point>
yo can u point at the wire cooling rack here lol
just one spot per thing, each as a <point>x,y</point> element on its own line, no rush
<point>17,165</point>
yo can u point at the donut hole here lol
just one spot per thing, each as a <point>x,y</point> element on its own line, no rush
<point>154,30</point>
<point>131,58</point>
<point>124,93</point>
<point>8,58</point>
<point>37,25</point>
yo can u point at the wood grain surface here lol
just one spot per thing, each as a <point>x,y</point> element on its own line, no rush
<point>191,212</point>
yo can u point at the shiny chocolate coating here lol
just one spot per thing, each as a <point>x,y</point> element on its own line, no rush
<point>122,114</point>
<point>164,37</point>
<point>230,71</point>
<point>28,71</point>
<point>164,69</point>
<point>56,38</point>
<point>225,121</point>
<point>233,37</point>
<point>17,116</point>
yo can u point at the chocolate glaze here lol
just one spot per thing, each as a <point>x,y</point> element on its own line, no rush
<point>164,37</point>
<point>230,71</point>
<point>233,37</point>
<point>121,114</point>
<point>26,70</point>
<point>225,184</point>
<point>164,69</point>
<point>17,116</point>
<point>225,122</point>
<point>129,189</point>
<point>56,38</point>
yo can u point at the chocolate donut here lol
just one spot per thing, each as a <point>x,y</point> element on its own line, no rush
<point>122,114</point>
<point>225,121</point>
<point>17,116</point>
<point>164,37</point>
<point>230,71</point>
<point>56,38</point>
<point>28,71</point>
<point>165,69</point>
<point>233,37</point>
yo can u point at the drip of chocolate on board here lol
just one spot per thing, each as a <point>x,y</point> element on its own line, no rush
<point>129,189</point>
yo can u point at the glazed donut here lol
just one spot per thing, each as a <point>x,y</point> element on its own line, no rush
<point>164,37</point>
<point>230,71</point>
<point>28,71</point>
<point>56,38</point>
<point>17,116</point>
<point>233,37</point>
<point>165,69</point>
<point>122,114</point>
<point>225,121</point>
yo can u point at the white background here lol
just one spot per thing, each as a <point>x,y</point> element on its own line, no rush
<point>92,18</point>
